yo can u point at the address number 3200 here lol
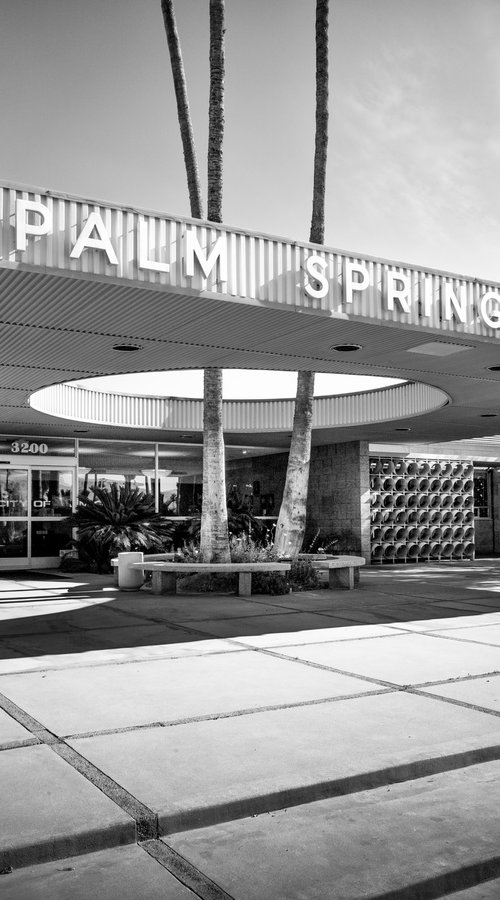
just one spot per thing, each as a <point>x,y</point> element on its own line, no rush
<point>28,447</point>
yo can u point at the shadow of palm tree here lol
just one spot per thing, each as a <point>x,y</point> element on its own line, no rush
<point>46,615</point>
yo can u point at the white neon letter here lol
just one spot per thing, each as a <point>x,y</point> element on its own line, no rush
<point>103,242</point>
<point>23,227</point>
<point>485,299</point>
<point>352,284</point>
<point>144,262</point>
<point>312,264</point>
<point>453,306</point>
<point>399,294</point>
<point>428,298</point>
<point>218,252</point>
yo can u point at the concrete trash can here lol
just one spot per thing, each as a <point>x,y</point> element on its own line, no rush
<point>130,579</point>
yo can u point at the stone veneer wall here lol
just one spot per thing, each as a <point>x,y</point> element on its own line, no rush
<point>339,489</point>
<point>339,493</point>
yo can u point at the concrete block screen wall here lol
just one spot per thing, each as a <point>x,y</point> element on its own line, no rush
<point>421,509</point>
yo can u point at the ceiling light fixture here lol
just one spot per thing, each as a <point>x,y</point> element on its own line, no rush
<point>126,348</point>
<point>439,348</point>
<point>346,348</point>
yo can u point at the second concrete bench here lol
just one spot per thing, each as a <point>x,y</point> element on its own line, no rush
<point>164,574</point>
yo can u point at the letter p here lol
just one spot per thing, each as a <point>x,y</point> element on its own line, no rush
<point>23,227</point>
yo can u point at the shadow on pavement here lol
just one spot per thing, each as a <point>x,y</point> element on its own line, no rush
<point>46,614</point>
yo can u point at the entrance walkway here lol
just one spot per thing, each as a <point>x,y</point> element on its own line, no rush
<point>318,745</point>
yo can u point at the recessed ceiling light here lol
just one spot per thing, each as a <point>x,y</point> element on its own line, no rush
<point>126,348</point>
<point>346,348</point>
<point>439,348</point>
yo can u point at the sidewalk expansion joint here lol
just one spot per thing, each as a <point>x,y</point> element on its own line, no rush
<point>474,875</point>
<point>392,685</point>
<point>97,664</point>
<point>146,821</point>
<point>218,813</point>
<point>231,714</point>
<point>184,871</point>
<point>17,745</point>
<point>454,637</point>
<point>452,701</point>
<point>42,734</point>
<point>240,642</point>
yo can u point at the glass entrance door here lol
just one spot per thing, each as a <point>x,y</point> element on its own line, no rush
<point>35,503</point>
<point>14,510</point>
<point>51,504</point>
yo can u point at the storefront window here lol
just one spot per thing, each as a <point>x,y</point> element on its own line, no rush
<point>13,492</point>
<point>103,463</point>
<point>48,538</point>
<point>13,539</point>
<point>180,469</point>
<point>482,495</point>
<point>51,492</point>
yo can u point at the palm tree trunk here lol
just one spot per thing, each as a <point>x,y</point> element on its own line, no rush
<point>214,544</point>
<point>216,111</point>
<point>321,138</point>
<point>214,538</point>
<point>214,534</point>
<point>292,518</point>
<point>183,111</point>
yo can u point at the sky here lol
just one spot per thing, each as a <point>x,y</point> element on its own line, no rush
<point>88,108</point>
<point>236,384</point>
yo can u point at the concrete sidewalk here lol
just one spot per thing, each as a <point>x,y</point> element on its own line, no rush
<point>328,744</point>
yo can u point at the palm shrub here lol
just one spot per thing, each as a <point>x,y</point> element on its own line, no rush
<point>238,524</point>
<point>114,520</point>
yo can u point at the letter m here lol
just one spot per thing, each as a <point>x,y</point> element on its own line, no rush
<point>217,254</point>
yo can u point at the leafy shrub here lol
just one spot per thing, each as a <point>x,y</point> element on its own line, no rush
<point>302,577</point>
<point>239,524</point>
<point>115,520</point>
<point>317,542</point>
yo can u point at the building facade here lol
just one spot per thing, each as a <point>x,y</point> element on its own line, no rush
<point>89,289</point>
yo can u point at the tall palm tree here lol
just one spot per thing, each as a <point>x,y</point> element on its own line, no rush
<point>292,518</point>
<point>214,539</point>
<point>214,536</point>
<point>183,111</point>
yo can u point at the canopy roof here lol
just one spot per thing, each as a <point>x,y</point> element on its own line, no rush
<point>81,280</point>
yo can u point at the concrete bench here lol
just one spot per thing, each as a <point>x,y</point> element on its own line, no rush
<point>343,571</point>
<point>163,574</point>
<point>150,557</point>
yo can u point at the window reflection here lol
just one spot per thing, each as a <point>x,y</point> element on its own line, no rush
<point>51,492</point>
<point>48,538</point>
<point>13,492</point>
<point>115,462</point>
<point>13,539</point>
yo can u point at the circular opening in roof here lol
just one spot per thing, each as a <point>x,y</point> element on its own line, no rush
<point>238,384</point>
